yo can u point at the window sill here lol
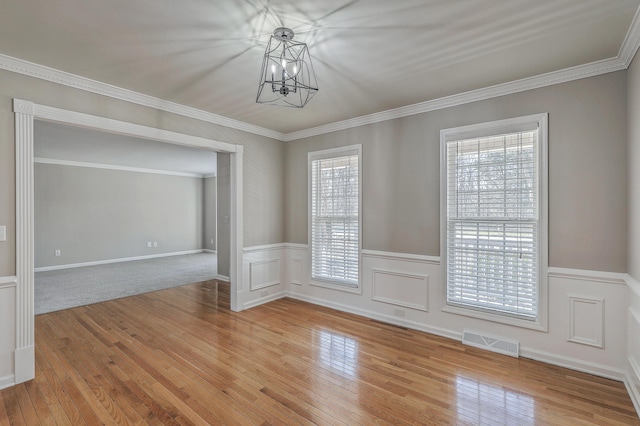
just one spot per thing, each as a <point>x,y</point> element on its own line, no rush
<point>335,286</point>
<point>516,322</point>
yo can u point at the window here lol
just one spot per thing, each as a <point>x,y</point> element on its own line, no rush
<point>334,222</point>
<point>494,211</point>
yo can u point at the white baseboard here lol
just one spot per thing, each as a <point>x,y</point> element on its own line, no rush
<point>263,300</point>
<point>561,361</point>
<point>209,251</point>
<point>122,259</point>
<point>222,278</point>
<point>379,317</point>
<point>574,364</point>
<point>7,381</point>
<point>632,383</point>
<point>25,361</point>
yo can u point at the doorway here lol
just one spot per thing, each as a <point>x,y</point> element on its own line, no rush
<point>26,113</point>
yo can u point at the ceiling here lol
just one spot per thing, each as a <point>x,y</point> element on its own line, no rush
<point>369,55</point>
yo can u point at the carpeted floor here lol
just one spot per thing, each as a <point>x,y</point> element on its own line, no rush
<point>68,288</point>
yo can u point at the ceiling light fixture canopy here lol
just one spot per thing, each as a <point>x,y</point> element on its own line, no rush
<point>287,77</point>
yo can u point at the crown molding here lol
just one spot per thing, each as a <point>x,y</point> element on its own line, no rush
<point>77,82</point>
<point>626,54</point>
<point>543,80</point>
<point>631,41</point>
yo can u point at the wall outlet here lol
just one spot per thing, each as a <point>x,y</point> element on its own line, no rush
<point>3,233</point>
<point>57,253</point>
<point>264,293</point>
<point>155,244</point>
<point>212,241</point>
<point>398,312</point>
<point>148,243</point>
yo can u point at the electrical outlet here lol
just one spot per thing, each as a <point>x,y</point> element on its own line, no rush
<point>155,244</point>
<point>398,312</point>
<point>57,253</point>
<point>212,241</point>
<point>148,243</point>
<point>264,293</point>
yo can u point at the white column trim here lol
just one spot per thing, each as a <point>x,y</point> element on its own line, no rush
<point>24,117</point>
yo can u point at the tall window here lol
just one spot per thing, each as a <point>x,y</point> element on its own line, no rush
<point>495,228</point>
<point>334,223</point>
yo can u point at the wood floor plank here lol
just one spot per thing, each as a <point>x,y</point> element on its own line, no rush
<point>181,357</point>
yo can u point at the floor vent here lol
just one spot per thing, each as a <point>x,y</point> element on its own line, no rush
<point>491,343</point>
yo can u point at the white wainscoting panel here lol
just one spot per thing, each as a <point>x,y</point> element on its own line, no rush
<point>296,270</point>
<point>296,264</point>
<point>264,273</point>
<point>586,320</point>
<point>7,330</point>
<point>402,289</point>
<point>633,342</point>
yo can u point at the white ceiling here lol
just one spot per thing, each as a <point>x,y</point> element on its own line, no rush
<point>78,145</point>
<point>369,55</point>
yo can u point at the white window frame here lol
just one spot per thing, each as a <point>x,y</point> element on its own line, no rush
<point>321,155</point>
<point>488,129</point>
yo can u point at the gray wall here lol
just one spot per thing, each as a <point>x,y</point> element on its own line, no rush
<point>263,165</point>
<point>209,194</point>
<point>401,163</point>
<point>94,214</point>
<point>224,211</point>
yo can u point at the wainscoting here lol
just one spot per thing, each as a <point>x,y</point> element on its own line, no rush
<point>633,342</point>
<point>263,275</point>
<point>7,330</point>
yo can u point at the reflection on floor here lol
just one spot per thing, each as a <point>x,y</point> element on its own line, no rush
<point>68,288</point>
<point>482,403</point>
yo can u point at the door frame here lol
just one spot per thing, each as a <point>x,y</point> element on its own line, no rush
<point>26,113</point>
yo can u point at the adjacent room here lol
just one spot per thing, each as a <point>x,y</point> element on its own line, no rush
<point>109,225</point>
<point>313,213</point>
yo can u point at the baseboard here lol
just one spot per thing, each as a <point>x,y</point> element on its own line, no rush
<point>25,362</point>
<point>561,361</point>
<point>632,383</point>
<point>573,364</point>
<point>222,278</point>
<point>209,251</point>
<point>379,317</point>
<point>263,300</point>
<point>7,381</point>
<point>122,259</point>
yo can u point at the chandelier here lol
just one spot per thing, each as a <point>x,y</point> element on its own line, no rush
<point>287,77</point>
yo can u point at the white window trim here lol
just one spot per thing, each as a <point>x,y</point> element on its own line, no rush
<point>485,129</point>
<point>320,155</point>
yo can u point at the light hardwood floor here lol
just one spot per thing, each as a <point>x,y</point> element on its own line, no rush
<point>179,356</point>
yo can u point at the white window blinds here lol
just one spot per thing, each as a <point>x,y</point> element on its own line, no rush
<point>493,223</point>
<point>335,233</point>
